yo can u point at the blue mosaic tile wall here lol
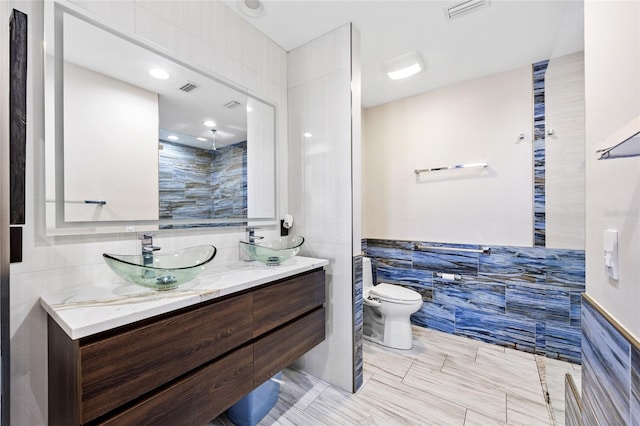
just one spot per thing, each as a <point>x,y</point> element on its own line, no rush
<point>197,183</point>
<point>610,372</point>
<point>358,366</point>
<point>539,156</point>
<point>520,297</point>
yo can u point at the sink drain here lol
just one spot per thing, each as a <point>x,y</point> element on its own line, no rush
<point>166,280</point>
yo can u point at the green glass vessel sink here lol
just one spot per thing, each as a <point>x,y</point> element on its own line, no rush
<point>273,252</point>
<point>160,270</point>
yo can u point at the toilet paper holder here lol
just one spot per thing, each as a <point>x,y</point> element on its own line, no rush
<point>449,277</point>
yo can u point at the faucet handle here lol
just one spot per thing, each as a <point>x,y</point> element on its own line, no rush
<point>147,243</point>
<point>251,236</point>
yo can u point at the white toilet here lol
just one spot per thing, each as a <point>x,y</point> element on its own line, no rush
<point>387,309</point>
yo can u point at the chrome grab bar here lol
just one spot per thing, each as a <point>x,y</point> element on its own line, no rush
<point>483,250</point>
<point>455,166</point>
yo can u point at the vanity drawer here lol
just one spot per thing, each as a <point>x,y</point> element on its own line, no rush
<point>117,369</point>
<point>279,349</point>
<point>198,398</point>
<point>278,303</point>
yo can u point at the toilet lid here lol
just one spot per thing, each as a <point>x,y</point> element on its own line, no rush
<point>394,292</point>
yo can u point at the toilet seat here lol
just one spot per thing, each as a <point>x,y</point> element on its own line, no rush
<point>394,294</point>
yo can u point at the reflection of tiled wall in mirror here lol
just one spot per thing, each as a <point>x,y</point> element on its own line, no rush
<point>201,184</point>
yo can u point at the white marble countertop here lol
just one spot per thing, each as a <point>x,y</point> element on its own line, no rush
<point>81,312</point>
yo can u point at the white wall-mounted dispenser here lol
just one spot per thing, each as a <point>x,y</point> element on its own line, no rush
<point>286,224</point>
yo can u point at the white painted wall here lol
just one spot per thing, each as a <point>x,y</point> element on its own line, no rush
<point>565,152</point>
<point>320,198</point>
<point>612,97</point>
<point>470,122</point>
<point>206,34</point>
<point>96,134</point>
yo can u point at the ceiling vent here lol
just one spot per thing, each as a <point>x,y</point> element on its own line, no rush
<point>188,87</point>
<point>464,7</point>
<point>232,104</point>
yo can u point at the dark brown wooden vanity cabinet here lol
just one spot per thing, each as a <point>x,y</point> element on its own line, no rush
<point>188,366</point>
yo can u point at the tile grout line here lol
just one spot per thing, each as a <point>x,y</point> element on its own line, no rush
<point>542,374</point>
<point>313,401</point>
<point>375,402</point>
<point>407,372</point>
<point>311,415</point>
<point>506,408</point>
<point>320,394</point>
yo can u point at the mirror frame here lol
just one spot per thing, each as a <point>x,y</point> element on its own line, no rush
<point>53,28</point>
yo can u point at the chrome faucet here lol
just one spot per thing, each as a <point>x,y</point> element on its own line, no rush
<point>251,238</point>
<point>147,249</point>
<point>251,235</point>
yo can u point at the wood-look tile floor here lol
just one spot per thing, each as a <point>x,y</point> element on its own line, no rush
<point>443,380</point>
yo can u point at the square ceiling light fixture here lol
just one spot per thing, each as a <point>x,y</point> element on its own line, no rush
<point>404,66</point>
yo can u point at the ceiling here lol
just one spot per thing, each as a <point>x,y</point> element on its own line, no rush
<point>506,34</point>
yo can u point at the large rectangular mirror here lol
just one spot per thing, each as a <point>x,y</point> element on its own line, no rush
<point>137,139</point>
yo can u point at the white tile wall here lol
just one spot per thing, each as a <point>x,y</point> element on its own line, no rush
<point>121,13</point>
<point>356,145</point>
<point>320,57</point>
<point>320,189</point>
<point>322,163</point>
<point>565,177</point>
<point>204,33</point>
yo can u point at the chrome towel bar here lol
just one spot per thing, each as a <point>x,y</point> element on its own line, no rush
<point>455,166</point>
<point>98,202</point>
<point>483,250</point>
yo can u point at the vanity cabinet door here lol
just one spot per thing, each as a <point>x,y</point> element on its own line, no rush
<point>197,399</point>
<point>117,369</point>
<point>278,303</point>
<point>281,348</point>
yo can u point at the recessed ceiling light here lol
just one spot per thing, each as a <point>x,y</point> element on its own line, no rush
<point>173,138</point>
<point>159,73</point>
<point>251,8</point>
<point>210,123</point>
<point>307,134</point>
<point>202,139</point>
<point>404,66</point>
<point>249,109</point>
